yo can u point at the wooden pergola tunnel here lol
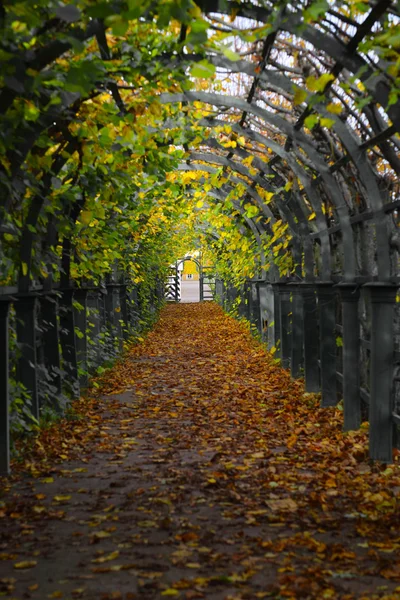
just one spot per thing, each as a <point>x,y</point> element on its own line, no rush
<point>282,117</point>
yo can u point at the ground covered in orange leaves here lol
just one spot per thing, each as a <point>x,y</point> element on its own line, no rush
<point>200,470</point>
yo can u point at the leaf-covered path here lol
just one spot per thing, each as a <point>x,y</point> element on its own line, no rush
<point>200,471</point>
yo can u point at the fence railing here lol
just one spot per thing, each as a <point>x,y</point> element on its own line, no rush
<point>341,338</point>
<point>52,340</point>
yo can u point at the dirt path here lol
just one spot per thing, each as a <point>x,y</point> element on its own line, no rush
<point>201,471</point>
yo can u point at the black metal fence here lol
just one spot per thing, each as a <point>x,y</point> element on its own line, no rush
<point>52,340</point>
<point>341,338</point>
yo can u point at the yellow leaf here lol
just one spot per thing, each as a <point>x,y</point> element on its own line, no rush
<point>324,122</point>
<point>199,204</point>
<point>24,269</point>
<point>282,504</point>
<point>47,480</point>
<point>299,96</point>
<point>334,108</point>
<point>106,557</point>
<point>288,186</point>
<point>61,498</point>
<point>170,592</point>
<point>312,216</point>
<point>85,217</point>
<point>39,509</point>
<point>101,534</point>
<point>25,564</point>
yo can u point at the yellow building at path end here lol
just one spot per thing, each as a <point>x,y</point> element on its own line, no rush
<point>190,271</point>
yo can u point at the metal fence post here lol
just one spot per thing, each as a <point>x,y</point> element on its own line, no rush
<point>25,310</point>
<point>327,342</point>
<point>123,301</point>
<point>310,328</point>
<point>67,339</point>
<point>277,320</point>
<point>382,297</point>
<point>349,295</point>
<point>285,307</point>
<point>50,346</point>
<point>4,388</point>
<point>80,326</point>
<point>94,318</point>
<point>297,331</point>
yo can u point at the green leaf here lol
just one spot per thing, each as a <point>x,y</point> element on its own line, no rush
<point>198,32</point>
<point>203,69</point>
<point>230,54</point>
<point>315,10</point>
<point>311,121</point>
<point>251,210</point>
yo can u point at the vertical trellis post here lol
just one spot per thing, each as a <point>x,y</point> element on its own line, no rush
<point>4,388</point>
<point>285,324</point>
<point>51,351</point>
<point>201,285</point>
<point>382,297</point>
<point>67,338</point>
<point>297,331</point>
<point>94,317</point>
<point>243,308</point>
<point>133,307</point>
<point>110,307</point>
<point>349,295</point>
<point>257,308</point>
<point>113,310</point>
<point>310,328</point>
<point>250,306</point>
<point>25,312</point>
<point>80,322</point>
<point>327,342</point>
<point>262,291</point>
<point>277,321</point>
<point>123,301</point>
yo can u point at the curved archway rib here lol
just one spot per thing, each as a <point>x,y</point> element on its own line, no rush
<point>332,187</point>
<point>378,85</point>
<point>296,244</point>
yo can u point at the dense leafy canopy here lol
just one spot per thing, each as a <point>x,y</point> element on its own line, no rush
<point>132,132</point>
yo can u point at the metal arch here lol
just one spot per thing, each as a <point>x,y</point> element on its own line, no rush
<point>190,258</point>
<point>280,124</point>
<point>297,205</point>
<point>372,193</point>
<point>301,229</point>
<point>378,86</point>
<point>251,224</point>
<point>331,186</point>
<point>252,192</point>
<point>213,158</point>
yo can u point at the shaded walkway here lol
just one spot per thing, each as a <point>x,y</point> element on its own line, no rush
<point>202,471</point>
